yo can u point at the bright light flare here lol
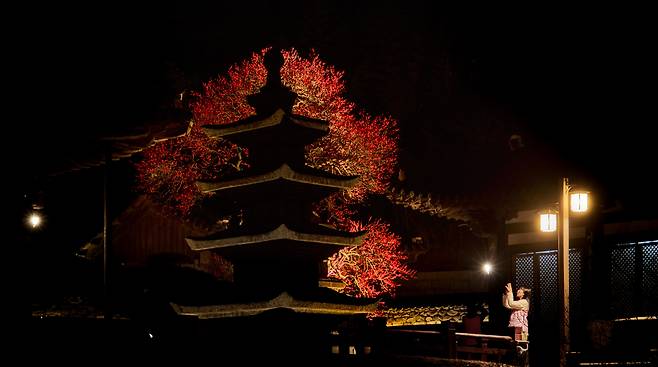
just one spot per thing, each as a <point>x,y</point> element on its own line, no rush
<point>34,220</point>
<point>579,201</point>
<point>487,268</point>
<point>548,222</point>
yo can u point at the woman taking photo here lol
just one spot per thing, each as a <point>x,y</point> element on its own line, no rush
<point>520,307</point>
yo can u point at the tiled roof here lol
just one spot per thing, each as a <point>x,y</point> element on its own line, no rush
<point>424,315</point>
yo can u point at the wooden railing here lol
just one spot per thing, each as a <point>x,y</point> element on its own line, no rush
<point>484,346</point>
<point>455,345</point>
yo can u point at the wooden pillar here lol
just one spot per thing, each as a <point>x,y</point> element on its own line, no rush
<point>452,342</point>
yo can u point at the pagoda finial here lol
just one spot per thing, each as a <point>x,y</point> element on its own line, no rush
<point>273,95</point>
<point>273,61</point>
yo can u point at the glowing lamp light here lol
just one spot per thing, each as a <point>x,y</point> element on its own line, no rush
<point>579,201</point>
<point>34,220</point>
<point>487,268</point>
<point>548,222</point>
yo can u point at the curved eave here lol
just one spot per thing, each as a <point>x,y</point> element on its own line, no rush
<point>309,123</point>
<point>280,233</point>
<point>284,300</point>
<point>282,173</point>
<point>276,118</point>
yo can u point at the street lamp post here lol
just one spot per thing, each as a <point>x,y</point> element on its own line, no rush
<point>107,241</point>
<point>550,222</point>
<point>563,270</point>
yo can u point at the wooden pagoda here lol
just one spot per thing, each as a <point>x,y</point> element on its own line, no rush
<point>277,250</point>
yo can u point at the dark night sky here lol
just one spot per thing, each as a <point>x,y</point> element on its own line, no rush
<point>459,81</point>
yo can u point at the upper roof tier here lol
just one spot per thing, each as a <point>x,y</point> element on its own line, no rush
<point>242,131</point>
<point>274,139</point>
<point>274,135</point>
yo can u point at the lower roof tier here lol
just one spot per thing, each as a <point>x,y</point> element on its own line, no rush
<point>313,305</point>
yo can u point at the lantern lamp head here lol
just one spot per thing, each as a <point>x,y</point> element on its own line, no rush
<point>579,201</point>
<point>548,221</point>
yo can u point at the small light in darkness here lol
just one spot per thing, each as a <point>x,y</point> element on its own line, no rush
<point>34,220</point>
<point>487,268</point>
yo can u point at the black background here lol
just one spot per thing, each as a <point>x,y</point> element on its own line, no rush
<point>577,84</point>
